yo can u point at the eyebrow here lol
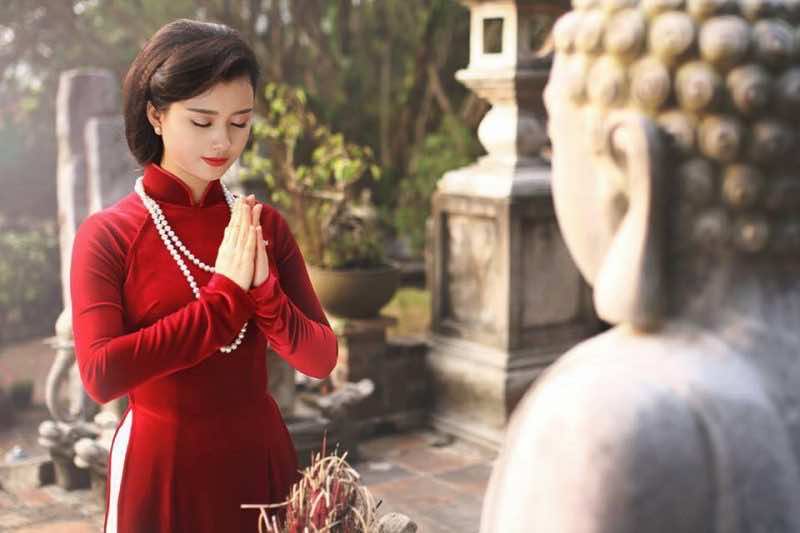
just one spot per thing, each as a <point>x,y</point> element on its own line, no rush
<point>211,112</point>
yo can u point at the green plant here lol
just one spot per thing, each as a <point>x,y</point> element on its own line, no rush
<point>451,146</point>
<point>321,181</point>
<point>30,286</point>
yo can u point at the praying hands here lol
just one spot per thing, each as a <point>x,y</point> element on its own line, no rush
<point>242,255</point>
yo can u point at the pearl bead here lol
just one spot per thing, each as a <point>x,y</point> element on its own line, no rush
<point>171,241</point>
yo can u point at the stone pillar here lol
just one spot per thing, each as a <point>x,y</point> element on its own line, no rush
<point>82,94</point>
<point>395,368</point>
<point>95,169</point>
<point>111,171</point>
<point>506,297</point>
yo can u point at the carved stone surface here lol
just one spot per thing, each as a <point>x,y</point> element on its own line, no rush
<point>95,169</point>
<point>82,94</point>
<point>553,290</point>
<point>473,264</point>
<point>110,165</point>
<point>396,523</point>
<point>506,297</point>
<point>395,368</point>
<point>674,164</point>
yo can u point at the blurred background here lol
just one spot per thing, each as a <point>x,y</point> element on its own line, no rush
<point>381,73</point>
<point>367,142</point>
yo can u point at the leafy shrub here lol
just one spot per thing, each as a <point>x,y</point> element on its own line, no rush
<point>30,280</point>
<point>320,180</point>
<point>450,147</point>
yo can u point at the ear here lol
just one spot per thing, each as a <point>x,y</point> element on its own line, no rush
<point>153,116</point>
<point>630,285</point>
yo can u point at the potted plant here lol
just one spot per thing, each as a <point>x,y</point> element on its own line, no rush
<point>321,183</point>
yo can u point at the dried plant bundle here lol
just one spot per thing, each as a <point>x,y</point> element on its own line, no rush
<point>327,498</point>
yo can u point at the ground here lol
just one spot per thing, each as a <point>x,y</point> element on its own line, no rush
<point>439,486</point>
<point>436,481</point>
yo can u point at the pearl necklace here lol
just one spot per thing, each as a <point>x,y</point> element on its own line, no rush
<point>173,244</point>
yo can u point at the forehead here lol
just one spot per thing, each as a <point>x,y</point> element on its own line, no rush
<point>224,96</point>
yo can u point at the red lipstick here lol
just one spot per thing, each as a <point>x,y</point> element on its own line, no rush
<point>215,161</point>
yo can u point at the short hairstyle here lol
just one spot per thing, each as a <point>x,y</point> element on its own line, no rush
<point>183,59</point>
<point>722,79</point>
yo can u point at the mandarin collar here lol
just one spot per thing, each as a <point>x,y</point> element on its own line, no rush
<point>164,186</point>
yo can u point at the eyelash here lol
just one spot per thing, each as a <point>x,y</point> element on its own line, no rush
<point>241,126</point>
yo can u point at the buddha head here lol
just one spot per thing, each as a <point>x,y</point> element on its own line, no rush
<point>675,147</point>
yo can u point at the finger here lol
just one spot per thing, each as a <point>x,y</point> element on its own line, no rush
<point>233,225</point>
<point>245,226</point>
<point>262,252</point>
<point>250,246</point>
<point>226,236</point>
<point>237,210</point>
<point>257,215</point>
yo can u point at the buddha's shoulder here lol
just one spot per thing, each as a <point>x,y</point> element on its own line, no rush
<point>625,418</point>
<point>681,365</point>
<point>639,394</point>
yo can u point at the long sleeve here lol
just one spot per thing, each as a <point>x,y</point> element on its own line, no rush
<point>288,311</point>
<point>113,361</point>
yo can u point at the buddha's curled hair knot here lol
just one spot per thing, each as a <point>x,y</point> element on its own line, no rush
<point>721,78</point>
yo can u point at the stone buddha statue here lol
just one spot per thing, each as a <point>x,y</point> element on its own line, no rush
<point>676,181</point>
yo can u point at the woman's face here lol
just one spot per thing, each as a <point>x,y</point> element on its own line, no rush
<point>212,125</point>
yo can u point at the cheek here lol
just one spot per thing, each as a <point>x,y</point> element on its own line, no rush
<point>183,140</point>
<point>241,137</point>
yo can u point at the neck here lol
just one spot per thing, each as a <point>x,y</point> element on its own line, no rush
<point>195,184</point>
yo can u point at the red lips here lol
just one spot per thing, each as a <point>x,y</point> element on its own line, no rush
<point>215,161</point>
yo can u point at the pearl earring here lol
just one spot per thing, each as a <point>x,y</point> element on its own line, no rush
<point>158,130</point>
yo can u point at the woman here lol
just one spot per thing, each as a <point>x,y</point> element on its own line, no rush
<point>186,341</point>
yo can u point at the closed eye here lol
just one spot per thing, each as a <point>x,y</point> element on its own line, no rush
<point>209,124</point>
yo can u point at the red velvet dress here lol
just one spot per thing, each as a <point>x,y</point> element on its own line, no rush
<point>201,435</point>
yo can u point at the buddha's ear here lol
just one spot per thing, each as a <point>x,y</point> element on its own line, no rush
<point>630,284</point>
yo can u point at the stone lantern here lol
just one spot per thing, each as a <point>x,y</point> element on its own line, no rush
<point>506,296</point>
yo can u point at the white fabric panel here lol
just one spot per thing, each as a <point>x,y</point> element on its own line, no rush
<point>118,451</point>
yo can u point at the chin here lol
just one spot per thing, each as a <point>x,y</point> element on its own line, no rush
<point>209,173</point>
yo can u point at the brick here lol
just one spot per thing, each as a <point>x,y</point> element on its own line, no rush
<point>26,474</point>
<point>432,460</point>
<point>472,479</point>
<point>35,498</point>
<point>62,526</point>
<point>12,519</point>
<point>7,501</point>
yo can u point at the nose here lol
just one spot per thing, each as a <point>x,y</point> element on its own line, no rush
<point>221,142</point>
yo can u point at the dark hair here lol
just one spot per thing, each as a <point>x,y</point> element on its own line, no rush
<point>183,59</point>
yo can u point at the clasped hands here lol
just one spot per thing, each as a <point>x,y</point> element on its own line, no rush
<point>242,255</point>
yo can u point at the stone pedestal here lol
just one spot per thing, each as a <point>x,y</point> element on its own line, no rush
<point>68,475</point>
<point>401,395</point>
<point>506,296</point>
<point>507,300</point>
<point>362,346</point>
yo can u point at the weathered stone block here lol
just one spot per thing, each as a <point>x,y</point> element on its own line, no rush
<point>27,474</point>
<point>67,475</point>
